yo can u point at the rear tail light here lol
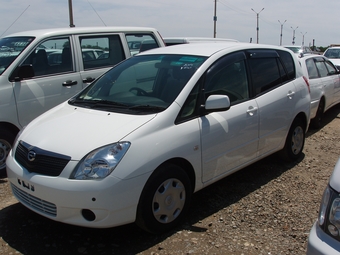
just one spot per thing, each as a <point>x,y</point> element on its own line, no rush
<point>307,83</point>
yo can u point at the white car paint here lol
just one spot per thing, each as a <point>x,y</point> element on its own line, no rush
<point>26,95</point>
<point>323,85</point>
<point>320,242</point>
<point>212,145</point>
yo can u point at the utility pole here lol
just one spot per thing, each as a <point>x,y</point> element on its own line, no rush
<point>70,13</point>
<point>281,31</point>
<point>303,38</point>
<point>293,42</point>
<point>215,19</point>
<point>257,26</point>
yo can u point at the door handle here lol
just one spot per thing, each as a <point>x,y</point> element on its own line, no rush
<point>69,83</point>
<point>251,110</point>
<point>88,80</point>
<point>290,94</point>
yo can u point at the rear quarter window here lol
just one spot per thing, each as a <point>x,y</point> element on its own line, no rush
<point>265,74</point>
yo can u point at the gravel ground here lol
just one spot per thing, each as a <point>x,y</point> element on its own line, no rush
<point>266,208</point>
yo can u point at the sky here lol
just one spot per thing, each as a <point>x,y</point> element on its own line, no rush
<point>312,24</point>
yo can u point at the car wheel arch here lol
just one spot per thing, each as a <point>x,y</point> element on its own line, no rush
<point>174,171</point>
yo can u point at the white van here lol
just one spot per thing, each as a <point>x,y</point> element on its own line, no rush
<point>40,69</point>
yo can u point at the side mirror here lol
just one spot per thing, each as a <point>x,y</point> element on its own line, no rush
<point>24,72</point>
<point>217,103</point>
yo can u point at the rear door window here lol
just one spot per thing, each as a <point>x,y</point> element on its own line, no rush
<point>311,68</point>
<point>141,42</point>
<point>322,68</point>
<point>101,51</point>
<point>268,70</point>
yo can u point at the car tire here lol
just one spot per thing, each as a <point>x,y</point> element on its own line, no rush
<point>165,199</point>
<point>295,141</point>
<point>6,140</point>
<point>317,120</point>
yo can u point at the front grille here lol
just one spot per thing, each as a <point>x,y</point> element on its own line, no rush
<point>44,162</point>
<point>34,202</point>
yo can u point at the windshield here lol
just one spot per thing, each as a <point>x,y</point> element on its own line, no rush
<point>140,85</point>
<point>10,49</point>
<point>332,53</point>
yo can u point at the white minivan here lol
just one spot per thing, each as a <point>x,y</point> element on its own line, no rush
<point>40,69</point>
<point>135,144</point>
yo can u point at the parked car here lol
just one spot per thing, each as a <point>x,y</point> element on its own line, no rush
<point>324,237</point>
<point>299,50</point>
<point>324,81</point>
<point>40,69</point>
<point>333,54</point>
<point>171,41</point>
<point>136,143</point>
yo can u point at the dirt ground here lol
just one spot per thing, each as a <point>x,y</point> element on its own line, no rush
<point>266,208</point>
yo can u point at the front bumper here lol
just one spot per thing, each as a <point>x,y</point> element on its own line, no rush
<point>111,201</point>
<point>319,243</point>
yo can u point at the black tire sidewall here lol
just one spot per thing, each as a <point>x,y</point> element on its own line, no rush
<point>7,136</point>
<point>287,152</point>
<point>317,120</point>
<point>145,218</point>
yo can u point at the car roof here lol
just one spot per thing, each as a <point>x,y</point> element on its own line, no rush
<point>195,39</point>
<point>79,30</point>
<point>208,49</point>
<point>306,56</point>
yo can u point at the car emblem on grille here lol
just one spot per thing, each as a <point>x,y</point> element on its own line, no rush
<point>31,155</point>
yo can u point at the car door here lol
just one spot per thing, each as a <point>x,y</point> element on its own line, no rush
<point>275,95</point>
<point>52,83</point>
<point>328,82</point>
<point>116,46</point>
<point>93,64</point>
<point>334,73</point>
<point>229,138</point>
<point>315,84</point>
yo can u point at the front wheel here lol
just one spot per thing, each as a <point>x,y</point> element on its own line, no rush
<point>164,200</point>
<point>6,140</point>
<point>294,142</point>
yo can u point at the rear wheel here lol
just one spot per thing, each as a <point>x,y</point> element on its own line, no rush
<point>294,142</point>
<point>164,200</point>
<point>317,120</point>
<point>6,140</point>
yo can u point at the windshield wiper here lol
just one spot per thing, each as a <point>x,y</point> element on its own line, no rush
<point>147,108</point>
<point>97,103</point>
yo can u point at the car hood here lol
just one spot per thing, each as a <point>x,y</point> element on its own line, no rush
<point>74,131</point>
<point>335,177</point>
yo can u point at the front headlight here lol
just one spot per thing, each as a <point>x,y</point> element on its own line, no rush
<point>329,213</point>
<point>323,206</point>
<point>334,218</point>
<point>99,163</point>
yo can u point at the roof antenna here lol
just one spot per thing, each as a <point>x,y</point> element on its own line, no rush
<point>96,12</point>
<point>15,21</point>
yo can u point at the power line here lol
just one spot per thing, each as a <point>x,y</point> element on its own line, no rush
<point>15,21</point>
<point>96,13</point>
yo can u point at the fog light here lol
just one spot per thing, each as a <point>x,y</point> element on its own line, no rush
<point>88,215</point>
<point>333,230</point>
